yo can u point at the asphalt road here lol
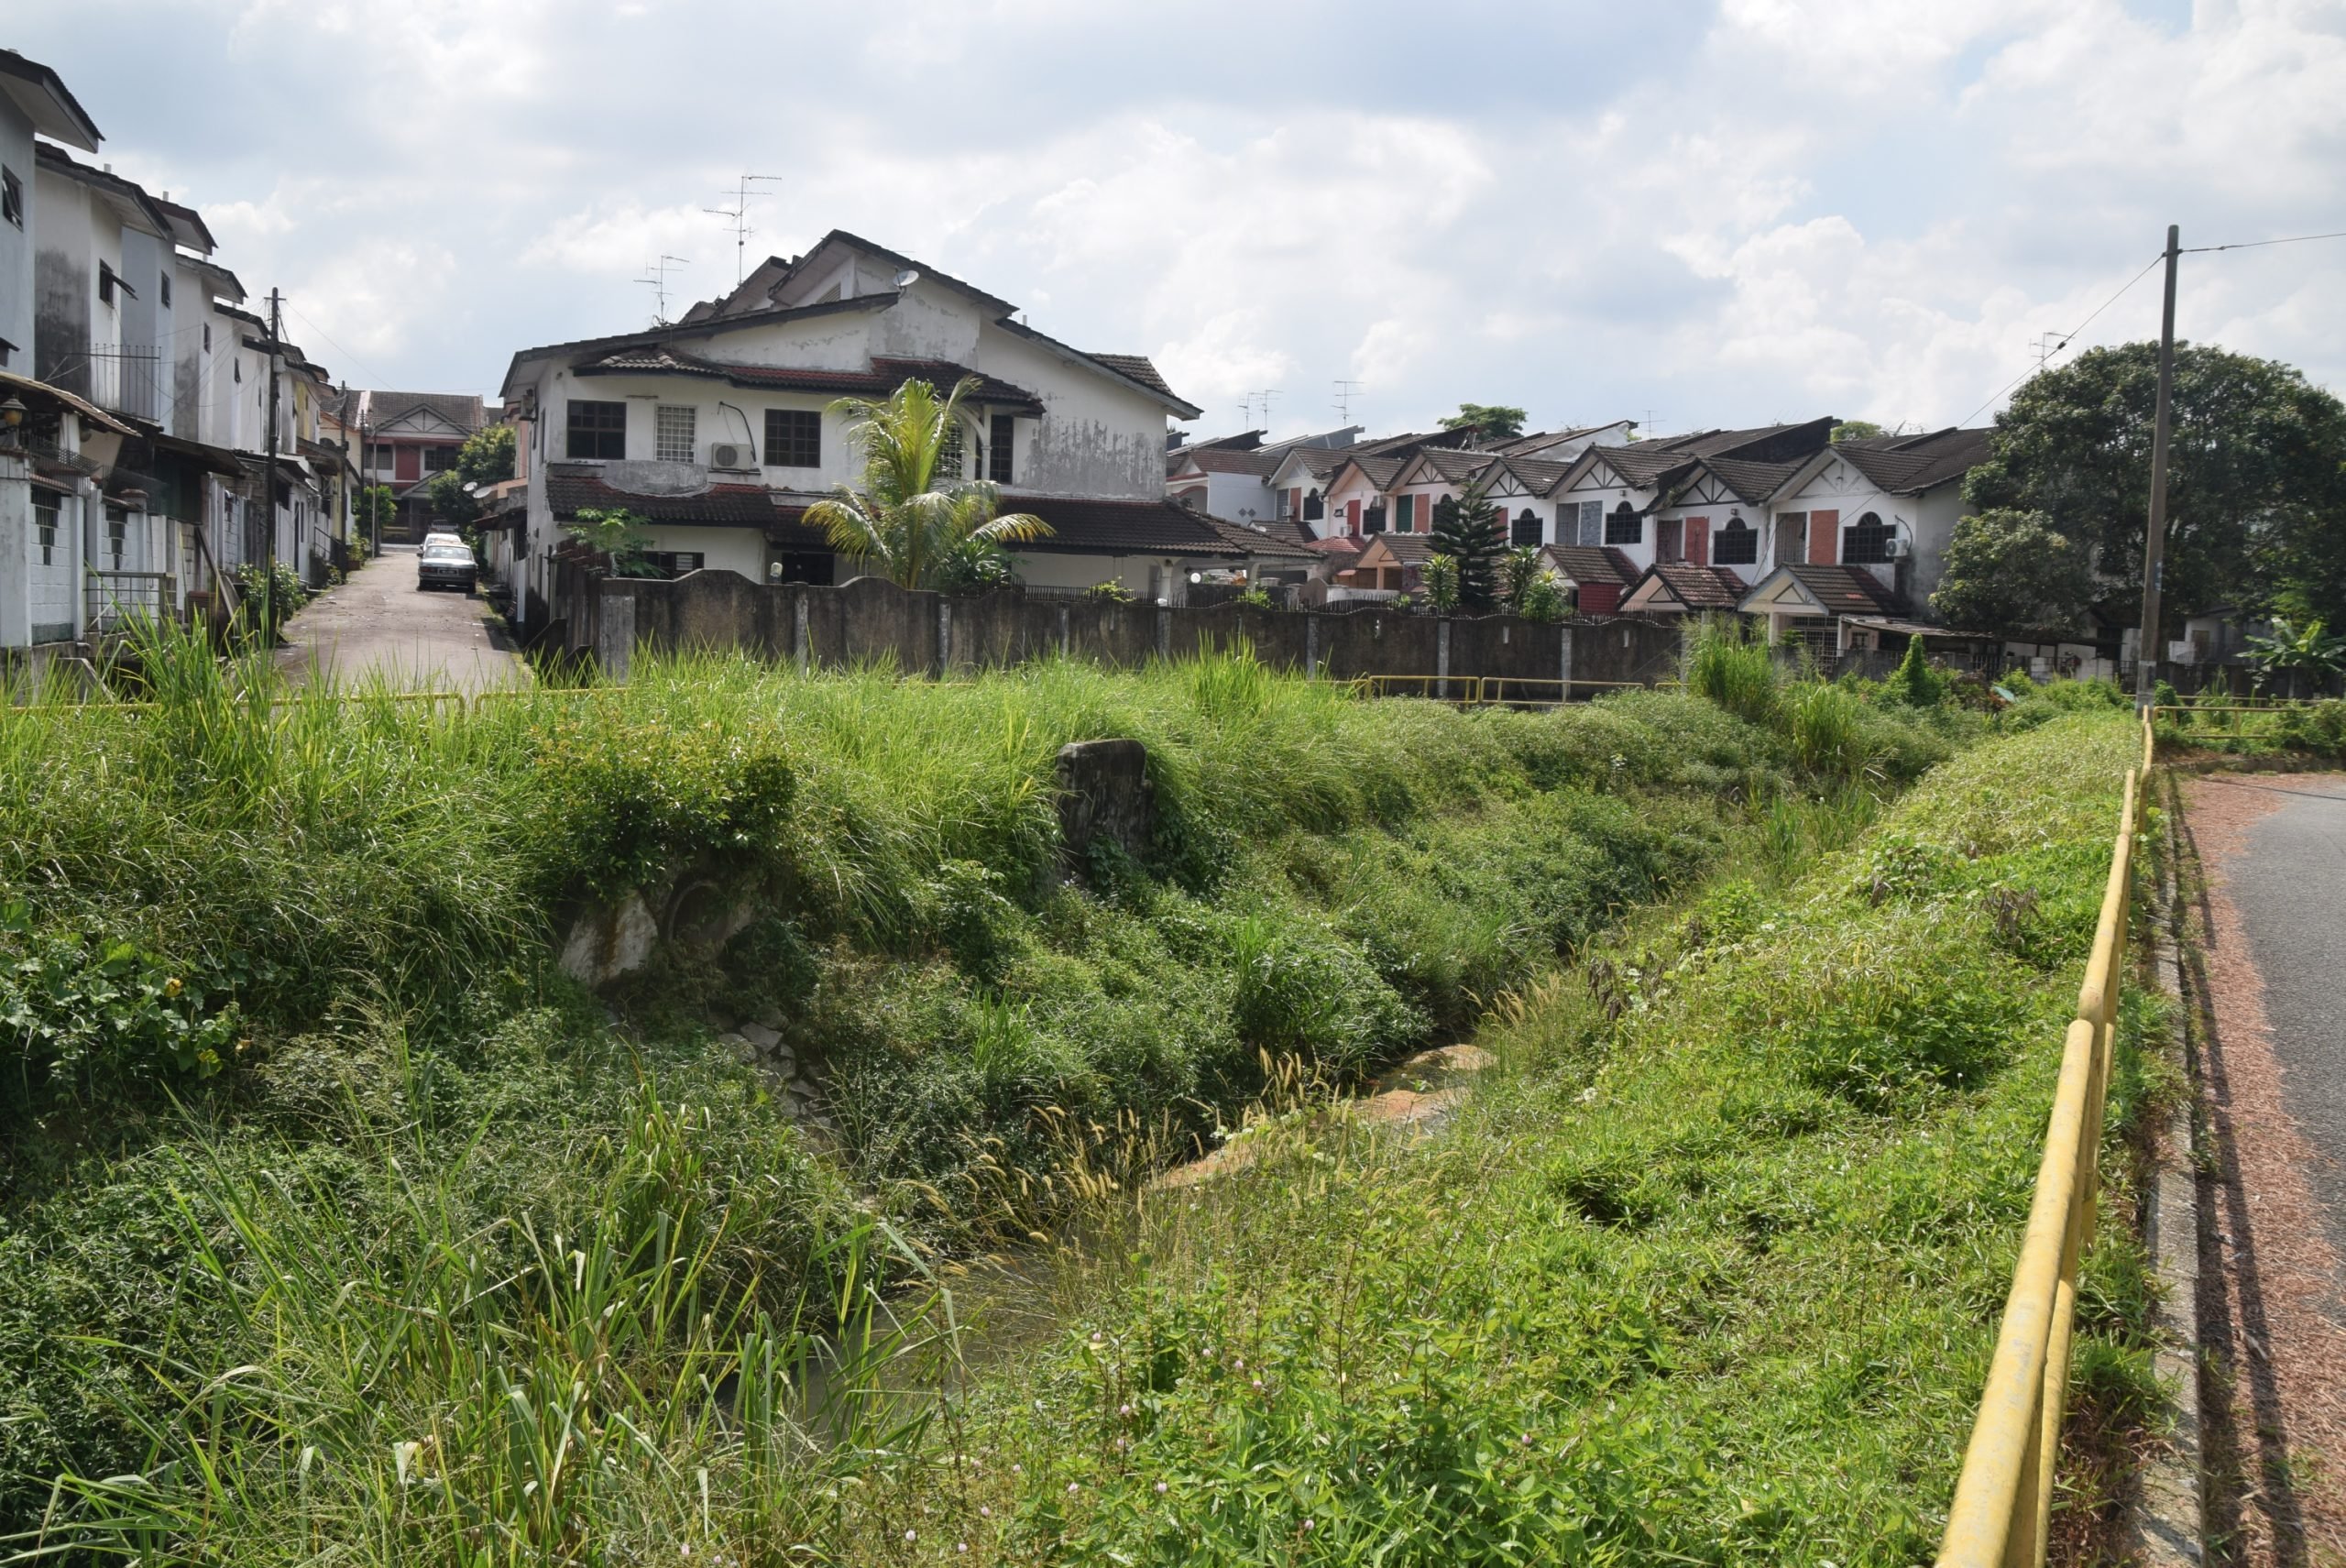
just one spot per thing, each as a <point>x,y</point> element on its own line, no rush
<point>2289,883</point>
<point>378,622</point>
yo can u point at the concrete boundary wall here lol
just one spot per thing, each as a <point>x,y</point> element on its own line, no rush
<point>869,620</point>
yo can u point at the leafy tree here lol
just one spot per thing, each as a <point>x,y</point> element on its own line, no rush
<point>449,500</point>
<point>1519,569</point>
<point>616,535</point>
<point>1855,430</point>
<point>2013,573</point>
<point>2256,498</point>
<point>1492,422</point>
<point>1466,528</point>
<point>912,520</point>
<point>486,457</point>
<point>378,507</point>
<point>1914,683</point>
<point>1439,576</point>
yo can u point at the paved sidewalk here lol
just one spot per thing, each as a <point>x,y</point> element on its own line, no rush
<point>378,622</point>
<point>2272,1302</point>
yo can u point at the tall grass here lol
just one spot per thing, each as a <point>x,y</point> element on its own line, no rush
<point>1733,666</point>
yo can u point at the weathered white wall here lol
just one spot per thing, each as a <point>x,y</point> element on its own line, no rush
<point>16,246</point>
<point>70,240</point>
<point>1095,438</point>
<point>741,549</point>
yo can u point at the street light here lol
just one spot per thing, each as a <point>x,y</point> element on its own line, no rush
<point>12,414</point>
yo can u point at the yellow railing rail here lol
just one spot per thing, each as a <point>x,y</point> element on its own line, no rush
<point>2003,1499</point>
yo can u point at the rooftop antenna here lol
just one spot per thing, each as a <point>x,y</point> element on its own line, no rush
<point>2047,345</point>
<point>1344,391</point>
<point>738,214</point>
<point>1266,394</point>
<point>1246,411</point>
<point>658,277</point>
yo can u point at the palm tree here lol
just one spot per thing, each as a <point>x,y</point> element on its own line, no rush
<point>916,526</point>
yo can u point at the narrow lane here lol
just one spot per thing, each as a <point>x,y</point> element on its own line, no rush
<point>380,623</point>
<point>2272,851</point>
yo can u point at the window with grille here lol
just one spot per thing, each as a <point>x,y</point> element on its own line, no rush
<point>439,459</point>
<point>596,429</point>
<point>1792,538</point>
<point>673,563</point>
<point>1624,526</point>
<point>1373,521</point>
<point>45,528</point>
<point>163,290</point>
<point>1737,544</point>
<point>794,438</point>
<point>952,455</point>
<point>674,428</point>
<point>1001,447</point>
<point>1592,522</point>
<point>117,534</point>
<point>1866,541</point>
<point>1527,529</point>
<point>12,197</point>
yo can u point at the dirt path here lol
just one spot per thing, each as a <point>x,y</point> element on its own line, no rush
<point>379,622</point>
<point>2273,927</point>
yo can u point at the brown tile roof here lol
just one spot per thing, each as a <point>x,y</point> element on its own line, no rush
<point>570,485</point>
<point>1224,460</point>
<point>1281,540</point>
<point>1136,367</point>
<point>1537,473</point>
<point>462,409</point>
<point>1411,549</point>
<point>1907,465</point>
<point>1081,526</point>
<point>1454,465</point>
<point>1700,588</point>
<point>1844,591</point>
<point>1754,482</point>
<point>1592,563</point>
<point>884,377</point>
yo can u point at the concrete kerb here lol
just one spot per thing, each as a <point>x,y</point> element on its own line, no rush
<point>2168,1523</point>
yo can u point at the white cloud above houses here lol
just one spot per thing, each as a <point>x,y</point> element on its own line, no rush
<point>1710,215</point>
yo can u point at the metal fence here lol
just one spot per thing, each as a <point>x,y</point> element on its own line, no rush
<point>2003,1499</point>
<point>117,599</point>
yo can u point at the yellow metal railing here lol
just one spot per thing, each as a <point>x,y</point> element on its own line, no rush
<point>2004,1500</point>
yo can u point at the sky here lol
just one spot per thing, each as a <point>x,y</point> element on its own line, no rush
<point>1688,215</point>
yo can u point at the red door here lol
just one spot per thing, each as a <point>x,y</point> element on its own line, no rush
<point>407,464</point>
<point>1352,517</point>
<point>1823,537</point>
<point>1698,540</point>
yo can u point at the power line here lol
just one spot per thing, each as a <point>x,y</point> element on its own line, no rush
<point>2255,244</point>
<point>2045,354</point>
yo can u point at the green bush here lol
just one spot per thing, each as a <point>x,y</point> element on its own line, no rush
<point>1733,668</point>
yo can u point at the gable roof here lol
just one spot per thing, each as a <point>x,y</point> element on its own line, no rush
<point>1591,563</point>
<point>46,101</point>
<point>1687,586</point>
<point>1281,540</point>
<point>1909,465</point>
<point>1447,465</point>
<point>1833,590</point>
<point>1226,460</point>
<point>1135,368</point>
<point>681,331</point>
<point>462,410</point>
<point>1082,526</point>
<point>1539,441</point>
<point>130,197</point>
<point>1753,483</point>
<point>1410,549</point>
<point>1536,475</point>
<point>884,377</point>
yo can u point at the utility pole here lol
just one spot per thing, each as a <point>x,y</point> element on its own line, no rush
<point>2146,652</point>
<point>366,489</point>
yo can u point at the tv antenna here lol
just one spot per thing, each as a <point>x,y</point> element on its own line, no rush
<point>2047,345</point>
<point>1246,411</point>
<point>738,215</point>
<point>1344,393</point>
<point>1266,394</point>
<point>657,276</point>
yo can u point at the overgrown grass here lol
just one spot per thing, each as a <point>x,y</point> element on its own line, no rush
<point>358,1227</point>
<point>1712,1277</point>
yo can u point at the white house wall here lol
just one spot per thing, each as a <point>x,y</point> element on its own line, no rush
<point>1096,436</point>
<point>741,549</point>
<point>1839,487</point>
<point>17,244</point>
<point>73,231</point>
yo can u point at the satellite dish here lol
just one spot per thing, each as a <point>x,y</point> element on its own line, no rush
<point>907,277</point>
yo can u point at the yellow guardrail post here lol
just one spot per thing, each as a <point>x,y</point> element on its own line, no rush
<point>2001,1513</point>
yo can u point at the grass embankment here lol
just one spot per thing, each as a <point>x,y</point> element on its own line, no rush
<point>335,1218</point>
<point>1712,1277</point>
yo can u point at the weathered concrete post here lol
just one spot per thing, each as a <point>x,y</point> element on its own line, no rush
<point>1311,646</point>
<point>1441,658</point>
<point>1103,793</point>
<point>1063,634</point>
<point>944,638</point>
<point>799,648</point>
<point>614,633</point>
<point>1164,632</point>
<point>1565,670</point>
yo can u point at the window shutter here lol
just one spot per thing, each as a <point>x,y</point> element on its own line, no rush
<point>1823,537</point>
<point>1698,540</point>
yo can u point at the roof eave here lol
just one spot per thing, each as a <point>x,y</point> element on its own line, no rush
<point>1181,407</point>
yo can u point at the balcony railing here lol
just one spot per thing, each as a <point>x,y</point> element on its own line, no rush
<point>117,598</point>
<point>128,380</point>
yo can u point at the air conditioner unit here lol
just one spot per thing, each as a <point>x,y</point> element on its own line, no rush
<point>1897,547</point>
<point>731,455</point>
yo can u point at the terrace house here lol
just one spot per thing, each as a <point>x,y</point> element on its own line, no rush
<point>720,428</point>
